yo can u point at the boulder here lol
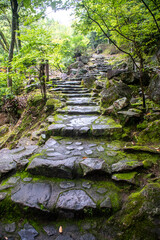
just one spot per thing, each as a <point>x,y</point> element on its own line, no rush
<point>126,165</point>
<point>154,88</point>
<point>91,165</point>
<point>120,103</point>
<point>125,177</point>
<point>119,90</point>
<point>128,78</point>
<point>151,133</point>
<point>84,59</point>
<point>111,73</point>
<point>130,117</point>
<point>100,84</point>
<point>88,81</point>
<point>77,64</point>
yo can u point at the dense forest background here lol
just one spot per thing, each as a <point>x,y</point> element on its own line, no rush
<point>28,39</point>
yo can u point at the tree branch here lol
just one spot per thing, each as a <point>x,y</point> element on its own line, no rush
<point>3,46</point>
<point>4,40</point>
<point>110,37</point>
<point>151,14</point>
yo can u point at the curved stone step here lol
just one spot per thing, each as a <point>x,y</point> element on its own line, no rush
<point>83,125</point>
<point>80,110</point>
<point>73,82</point>
<point>63,166</point>
<point>75,91</point>
<point>70,196</point>
<point>77,95</point>
<point>81,101</point>
<point>68,86</point>
<point>70,90</point>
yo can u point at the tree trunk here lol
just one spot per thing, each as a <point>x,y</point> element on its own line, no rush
<point>18,34</point>
<point>47,71</point>
<point>14,7</point>
<point>42,79</point>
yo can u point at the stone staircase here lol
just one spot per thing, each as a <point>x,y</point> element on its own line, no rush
<point>72,177</point>
<point>82,115</point>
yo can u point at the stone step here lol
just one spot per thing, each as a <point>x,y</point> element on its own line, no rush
<point>76,79</point>
<point>70,91</point>
<point>80,110</point>
<point>78,159</point>
<point>66,196</point>
<point>68,86</point>
<point>83,126</point>
<point>77,95</point>
<point>81,101</point>
<point>76,91</point>
<point>64,83</point>
<point>73,82</point>
<point>59,176</point>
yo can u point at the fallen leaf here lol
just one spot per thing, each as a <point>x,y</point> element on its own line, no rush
<point>60,229</point>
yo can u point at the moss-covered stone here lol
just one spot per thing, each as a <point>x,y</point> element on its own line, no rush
<point>141,204</point>
<point>35,99</point>
<point>52,104</point>
<point>151,134</point>
<point>125,177</point>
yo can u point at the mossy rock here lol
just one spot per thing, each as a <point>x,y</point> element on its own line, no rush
<point>151,134</point>
<point>53,103</point>
<point>142,203</point>
<point>125,177</point>
<point>35,99</point>
<point>137,215</point>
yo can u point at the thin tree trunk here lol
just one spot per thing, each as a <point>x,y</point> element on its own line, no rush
<point>18,34</point>
<point>42,79</point>
<point>14,7</point>
<point>47,71</point>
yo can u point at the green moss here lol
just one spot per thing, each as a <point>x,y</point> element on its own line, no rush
<point>147,164</point>
<point>125,176</point>
<point>35,99</point>
<point>9,211</point>
<point>151,133</point>
<point>53,103</point>
<point>115,201</point>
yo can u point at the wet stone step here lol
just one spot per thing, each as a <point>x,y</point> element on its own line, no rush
<point>76,95</point>
<point>79,91</point>
<point>71,89</point>
<point>50,196</point>
<point>81,101</point>
<point>73,82</point>
<point>78,160</point>
<point>83,125</point>
<point>80,110</point>
<point>67,167</point>
<point>68,86</point>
